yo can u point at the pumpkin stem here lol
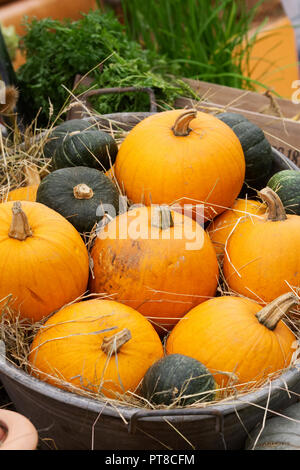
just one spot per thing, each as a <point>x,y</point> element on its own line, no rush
<point>162,218</point>
<point>83,191</point>
<point>19,227</point>
<point>112,344</point>
<point>276,210</point>
<point>181,125</point>
<point>270,315</point>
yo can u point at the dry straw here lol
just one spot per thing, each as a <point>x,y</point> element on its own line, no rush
<point>22,160</point>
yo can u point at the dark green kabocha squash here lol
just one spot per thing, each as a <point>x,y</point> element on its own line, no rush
<point>178,379</point>
<point>257,150</point>
<point>79,143</point>
<point>56,136</point>
<point>82,195</point>
<point>286,184</point>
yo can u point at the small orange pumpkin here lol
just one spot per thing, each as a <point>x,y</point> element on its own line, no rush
<point>43,260</point>
<point>222,226</point>
<point>155,260</point>
<point>185,157</point>
<point>97,345</point>
<point>26,193</point>
<point>235,335</point>
<point>262,256</point>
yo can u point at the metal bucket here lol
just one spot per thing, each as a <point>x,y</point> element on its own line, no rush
<point>67,421</point>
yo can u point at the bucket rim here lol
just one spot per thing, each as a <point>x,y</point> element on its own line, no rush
<point>285,382</point>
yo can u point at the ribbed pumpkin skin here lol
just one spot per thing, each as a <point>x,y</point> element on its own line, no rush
<point>68,348</point>
<point>160,278</point>
<point>48,269</point>
<point>79,143</point>
<point>26,193</point>
<point>57,191</point>
<point>58,134</point>
<point>208,165</point>
<point>262,260</point>
<point>222,226</point>
<point>286,184</point>
<point>224,334</point>
<point>178,378</point>
<point>91,148</point>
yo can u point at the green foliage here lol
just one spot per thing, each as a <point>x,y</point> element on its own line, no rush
<point>207,39</point>
<point>57,50</point>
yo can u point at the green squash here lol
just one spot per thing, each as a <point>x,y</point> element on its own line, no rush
<point>79,143</point>
<point>80,194</point>
<point>257,150</point>
<point>178,379</point>
<point>278,432</point>
<point>286,184</point>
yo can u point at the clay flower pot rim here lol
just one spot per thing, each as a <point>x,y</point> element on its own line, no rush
<point>16,432</point>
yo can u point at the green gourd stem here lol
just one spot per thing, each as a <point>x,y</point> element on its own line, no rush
<point>272,313</point>
<point>83,191</point>
<point>181,125</point>
<point>19,228</point>
<point>111,345</point>
<point>276,210</point>
<point>162,218</point>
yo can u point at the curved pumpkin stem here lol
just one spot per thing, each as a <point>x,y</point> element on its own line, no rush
<point>162,218</point>
<point>276,210</point>
<point>181,125</point>
<point>112,344</point>
<point>83,191</point>
<point>19,228</point>
<point>272,313</point>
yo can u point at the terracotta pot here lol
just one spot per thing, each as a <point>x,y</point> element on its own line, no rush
<point>16,432</point>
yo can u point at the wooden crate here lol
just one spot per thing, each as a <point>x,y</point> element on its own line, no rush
<point>278,118</point>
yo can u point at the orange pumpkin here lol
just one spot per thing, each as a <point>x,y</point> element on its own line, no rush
<point>184,157</point>
<point>235,335</point>
<point>222,226</point>
<point>26,193</point>
<point>97,345</point>
<point>262,256</point>
<point>157,261</point>
<point>43,260</point>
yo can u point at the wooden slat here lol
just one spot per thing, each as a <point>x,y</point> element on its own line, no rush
<point>282,132</point>
<point>244,99</point>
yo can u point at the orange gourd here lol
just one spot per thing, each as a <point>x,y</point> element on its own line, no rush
<point>155,260</point>
<point>221,228</point>
<point>235,335</point>
<point>262,256</point>
<point>181,156</point>
<point>43,260</point>
<point>97,345</point>
<point>26,193</point>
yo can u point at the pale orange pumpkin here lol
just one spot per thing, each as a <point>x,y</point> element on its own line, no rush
<point>181,156</point>
<point>262,256</point>
<point>97,345</point>
<point>26,193</point>
<point>240,342</point>
<point>155,260</point>
<point>43,260</point>
<point>221,228</point>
